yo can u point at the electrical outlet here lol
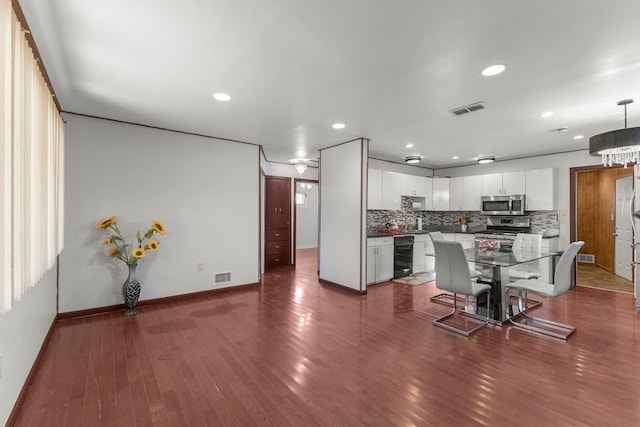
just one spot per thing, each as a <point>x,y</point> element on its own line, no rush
<point>200,266</point>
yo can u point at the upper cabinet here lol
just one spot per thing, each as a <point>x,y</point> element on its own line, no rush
<point>441,194</point>
<point>395,185</point>
<point>374,189</point>
<point>412,185</point>
<point>504,183</point>
<point>541,189</point>
<point>455,193</point>
<point>392,186</point>
<point>471,191</point>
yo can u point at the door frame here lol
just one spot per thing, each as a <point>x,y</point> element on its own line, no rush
<point>573,197</point>
<point>294,233</point>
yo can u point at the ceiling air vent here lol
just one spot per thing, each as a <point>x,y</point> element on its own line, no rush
<point>468,109</point>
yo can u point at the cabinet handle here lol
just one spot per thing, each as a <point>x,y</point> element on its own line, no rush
<point>277,247</point>
<point>277,259</point>
<point>277,234</point>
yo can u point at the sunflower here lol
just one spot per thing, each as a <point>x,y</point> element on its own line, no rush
<point>153,245</point>
<point>107,222</point>
<point>138,253</point>
<point>107,241</point>
<point>158,226</point>
<point>114,251</point>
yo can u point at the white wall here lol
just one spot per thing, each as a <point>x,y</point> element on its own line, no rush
<point>206,191</point>
<point>22,331</point>
<point>283,169</point>
<point>343,191</point>
<point>562,162</point>
<point>307,219</point>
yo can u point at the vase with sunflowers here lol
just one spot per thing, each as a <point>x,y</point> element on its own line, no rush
<point>130,254</point>
<point>464,223</point>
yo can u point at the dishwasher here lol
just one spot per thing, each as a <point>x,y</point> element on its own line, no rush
<point>402,256</point>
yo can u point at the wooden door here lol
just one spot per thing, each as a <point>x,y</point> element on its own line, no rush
<point>277,222</point>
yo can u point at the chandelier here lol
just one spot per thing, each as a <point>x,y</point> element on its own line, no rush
<point>619,146</point>
<point>301,166</point>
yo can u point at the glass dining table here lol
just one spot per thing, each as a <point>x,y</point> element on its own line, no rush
<point>494,265</point>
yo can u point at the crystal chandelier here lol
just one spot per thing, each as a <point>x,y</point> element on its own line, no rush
<point>619,146</point>
<point>301,166</point>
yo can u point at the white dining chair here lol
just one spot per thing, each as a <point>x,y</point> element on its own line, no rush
<point>561,284</point>
<point>526,246</point>
<point>452,275</point>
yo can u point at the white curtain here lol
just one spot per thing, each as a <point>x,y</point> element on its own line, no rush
<point>31,166</point>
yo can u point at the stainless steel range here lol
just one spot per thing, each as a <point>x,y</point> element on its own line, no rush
<point>503,229</point>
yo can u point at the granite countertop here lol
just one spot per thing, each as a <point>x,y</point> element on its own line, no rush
<point>446,229</point>
<point>427,229</point>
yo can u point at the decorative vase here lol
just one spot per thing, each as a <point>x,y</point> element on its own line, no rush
<point>464,227</point>
<point>131,291</point>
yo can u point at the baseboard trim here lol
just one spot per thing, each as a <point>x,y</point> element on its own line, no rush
<point>13,416</point>
<point>162,300</point>
<point>342,287</point>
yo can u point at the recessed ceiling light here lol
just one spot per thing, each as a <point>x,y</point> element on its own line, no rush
<point>493,70</point>
<point>338,126</point>
<point>486,159</point>
<point>221,96</point>
<point>546,114</point>
<point>578,137</point>
<point>409,145</point>
<point>455,157</point>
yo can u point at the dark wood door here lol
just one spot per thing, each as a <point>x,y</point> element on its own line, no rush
<point>277,222</point>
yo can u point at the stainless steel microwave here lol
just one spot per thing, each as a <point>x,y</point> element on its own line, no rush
<point>503,205</point>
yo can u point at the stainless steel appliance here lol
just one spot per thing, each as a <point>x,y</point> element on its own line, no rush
<point>402,256</point>
<point>504,229</point>
<point>503,205</point>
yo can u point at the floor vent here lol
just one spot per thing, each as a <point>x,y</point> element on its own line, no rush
<point>468,109</point>
<point>222,278</point>
<point>591,259</point>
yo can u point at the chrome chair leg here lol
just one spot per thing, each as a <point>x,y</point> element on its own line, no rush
<point>439,321</point>
<point>567,329</point>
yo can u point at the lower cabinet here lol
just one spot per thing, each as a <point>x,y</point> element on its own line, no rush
<point>420,253</point>
<point>379,259</point>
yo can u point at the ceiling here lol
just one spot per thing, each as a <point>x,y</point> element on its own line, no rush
<point>389,70</point>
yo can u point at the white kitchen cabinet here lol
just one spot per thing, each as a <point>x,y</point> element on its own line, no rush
<point>431,259</point>
<point>514,182</point>
<point>455,193</point>
<point>471,191</point>
<point>503,183</point>
<point>541,189</point>
<point>413,185</point>
<point>428,194</point>
<point>440,194</point>
<point>379,259</point>
<point>374,189</point>
<point>451,237</point>
<point>392,187</point>
<point>420,253</point>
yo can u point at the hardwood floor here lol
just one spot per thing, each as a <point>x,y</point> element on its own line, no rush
<point>595,277</point>
<point>295,352</point>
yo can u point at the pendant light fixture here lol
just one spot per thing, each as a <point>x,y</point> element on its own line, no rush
<point>619,146</point>
<point>301,166</point>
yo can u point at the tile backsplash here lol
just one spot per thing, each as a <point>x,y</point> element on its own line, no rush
<point>541,221</point>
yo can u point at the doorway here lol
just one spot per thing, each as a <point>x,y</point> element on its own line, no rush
<point>594,216</point>
<point>305,232</point>
<point>624,232</point>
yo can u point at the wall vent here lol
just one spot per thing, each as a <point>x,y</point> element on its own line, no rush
<point>591,259</point>
<point>222,278</point>
<point>468,109</point>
